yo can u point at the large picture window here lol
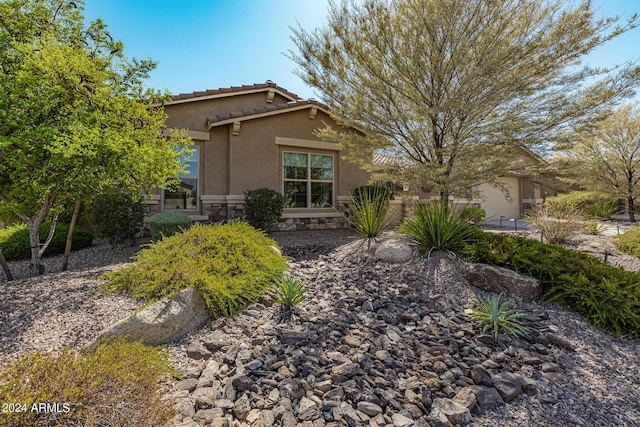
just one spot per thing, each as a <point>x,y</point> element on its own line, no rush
<point>308,180</point>
<point>185,194</point>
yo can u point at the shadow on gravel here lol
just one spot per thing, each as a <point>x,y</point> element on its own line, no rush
<point>310,244</point>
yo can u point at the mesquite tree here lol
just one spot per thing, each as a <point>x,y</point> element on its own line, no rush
<point>607,158</point>
<point>456,88</point>
<point>75,118</point>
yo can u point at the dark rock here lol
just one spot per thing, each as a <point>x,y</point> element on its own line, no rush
<point>560,342</point>
<point>368,408</point>
<point>481,376</point>
<point>198,351</point>
<point>487,397</point>
<point>216,340</point>
<point>509,385</point>
<point>242,383</point>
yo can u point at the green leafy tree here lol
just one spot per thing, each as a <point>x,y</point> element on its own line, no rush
<point>607,159</point>
<point>75,118</point>
<point>457,88</point>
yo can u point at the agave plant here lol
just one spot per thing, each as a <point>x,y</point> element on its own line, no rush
<point>493,315</point>
<point>288,292</point>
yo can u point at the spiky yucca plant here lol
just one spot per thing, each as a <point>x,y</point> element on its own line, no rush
<point>367,212</point>
<point>437,228</point>
<point>288,292</point>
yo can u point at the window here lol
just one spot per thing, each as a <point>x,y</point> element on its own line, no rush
<point>308,180</point>
<point>185,194</point>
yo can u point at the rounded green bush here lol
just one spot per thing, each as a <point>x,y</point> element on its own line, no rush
<point>263,207</point>
<point>231,265</point>
<point>14,241</point>
<point>629,242</point>
<point>115,383</point>
<point>165,224</point>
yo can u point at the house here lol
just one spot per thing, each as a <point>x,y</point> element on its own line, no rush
<point>255,136</point>
<point>262,135</point>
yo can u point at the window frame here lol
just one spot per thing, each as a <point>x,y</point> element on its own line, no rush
<point>195,177</point>
<point>308,180</point>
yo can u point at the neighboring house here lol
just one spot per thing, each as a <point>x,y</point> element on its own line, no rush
<point>262,135</point>
<point>257,136</point>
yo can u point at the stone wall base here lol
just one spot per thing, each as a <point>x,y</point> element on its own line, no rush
<point>227,212</point>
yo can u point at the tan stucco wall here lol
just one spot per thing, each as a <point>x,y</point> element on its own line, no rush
<point>256,159</point>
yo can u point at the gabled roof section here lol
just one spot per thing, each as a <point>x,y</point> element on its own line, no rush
<point>268,110</point>
<point>232,91</point>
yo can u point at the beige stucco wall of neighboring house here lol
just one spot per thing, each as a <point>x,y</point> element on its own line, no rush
<point>496,204</point>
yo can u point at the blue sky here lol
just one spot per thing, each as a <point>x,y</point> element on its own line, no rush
<point>206,44</point>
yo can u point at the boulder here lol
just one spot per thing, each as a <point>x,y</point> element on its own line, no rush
<point>394,250</point>
<point>163,321</point>
<point>455,412</point>
<point>501,280</point>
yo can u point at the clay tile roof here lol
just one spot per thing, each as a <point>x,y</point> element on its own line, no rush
<point>283,107</point>
<point>382,159</point>
<point>223,90</point>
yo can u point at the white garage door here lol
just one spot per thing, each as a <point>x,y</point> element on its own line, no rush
<point>496,204</point>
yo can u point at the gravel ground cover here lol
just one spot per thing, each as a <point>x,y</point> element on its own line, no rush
<point>593,380</point>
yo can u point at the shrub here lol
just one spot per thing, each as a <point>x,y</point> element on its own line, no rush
<point>557,222</point>
<point>587,202</point>
<point>112,384</point>
<point>473,215</point>
<point>367,211</point>
<point>14,241</point>
<point>602,209</point>
<point>606,296</point>
<point>437,228</point>
<point>594,229</point>
<point>116,217</point>
<point>629,242</point>
<point>165,224</point>
<point>263,207</point>
<point>495,317</point>
<point>231,264</point>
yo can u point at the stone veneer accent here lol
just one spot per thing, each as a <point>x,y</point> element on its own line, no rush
<point>227,212</point>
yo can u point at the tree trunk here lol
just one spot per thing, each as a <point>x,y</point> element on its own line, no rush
<point>630,205</point>
<point>74,219</point>
<point>34,243</point>
<point>444,198</point>
<point>5,267</point>
<point>38,249</point>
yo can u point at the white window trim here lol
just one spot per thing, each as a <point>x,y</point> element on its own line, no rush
<point>309,180</point>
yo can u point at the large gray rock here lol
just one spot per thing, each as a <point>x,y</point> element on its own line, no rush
<point>455,412</point>
<point>394,250</point>
<point>501,280</point>
<point>163,321</point>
